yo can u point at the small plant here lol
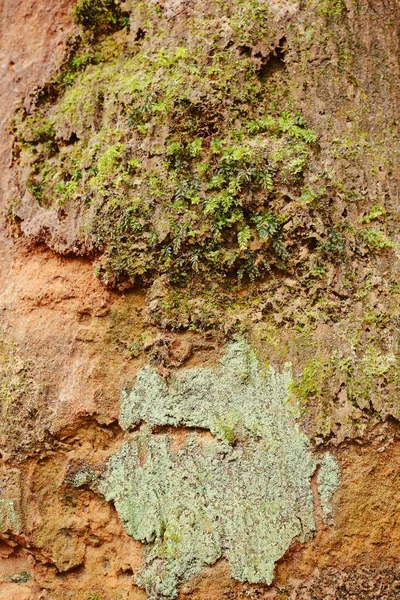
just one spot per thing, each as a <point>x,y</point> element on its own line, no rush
<point>308,196</point>
<point>227,427</point>
<point>35,188</point>
<point>295,127</point>
<point>244,236</point>
<point>318,271</point>
<point>266,123</point>
<point>375,213</point>
<point>332,8</point>
<point>335,245</point>
<point>66,190</point>
<point>375,239</point>
<point>267,225</point>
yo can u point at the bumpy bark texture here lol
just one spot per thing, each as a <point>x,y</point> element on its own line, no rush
<point>199,289</point>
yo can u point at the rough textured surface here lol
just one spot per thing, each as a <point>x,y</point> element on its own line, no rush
<point>245,498</point>
<point>68,346</point>
<point>235,402</point>
<point>328,482</point>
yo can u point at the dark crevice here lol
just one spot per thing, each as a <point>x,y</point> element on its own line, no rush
<point>128,571</point>
<point>245,50</point>
<point>200,119</point>
<point>171,430</point>
<point>98,115</point>
<point>73,138</point>
<point>281,48</point>
<point>140,35</point>
<point>312,243</point>
<point>76,570</point>
<point>274,62</point>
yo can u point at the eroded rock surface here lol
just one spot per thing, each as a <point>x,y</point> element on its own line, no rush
<point>181,146</point>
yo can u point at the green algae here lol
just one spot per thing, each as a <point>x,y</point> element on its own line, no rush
<point>243,495</point>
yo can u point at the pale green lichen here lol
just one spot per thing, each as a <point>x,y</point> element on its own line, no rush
<point>84,476</point>
<point>236,397</point>
<point>243,495</point>
<point>21,577</point>
<point>328,482</point>
<point>9,516</point>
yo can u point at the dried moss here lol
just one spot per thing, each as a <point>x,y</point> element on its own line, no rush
<point>9,518</point>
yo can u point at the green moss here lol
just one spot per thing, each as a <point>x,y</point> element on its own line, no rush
<point>375,239</point>
<point>311,380</point>
<point>370,376</point>
<point>332,8</point>
<point>225,149</point>
<point>180,149</point>
<point>366,377</point>
<point>376,212</point>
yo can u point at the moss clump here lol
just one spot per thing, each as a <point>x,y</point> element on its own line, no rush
<point>373,380</point>
<point>375,239</point>
<point>21,577</point>
<point>179,150</point>
<point>178,155</point>
<point>368,376</point>
<point>332,8</point>
<point>310,383</point>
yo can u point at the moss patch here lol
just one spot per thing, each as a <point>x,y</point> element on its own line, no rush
<point>185,155</point>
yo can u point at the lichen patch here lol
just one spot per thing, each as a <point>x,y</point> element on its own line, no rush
<point>243,494</point>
